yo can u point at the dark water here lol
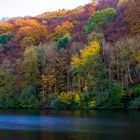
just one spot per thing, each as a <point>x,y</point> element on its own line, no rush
<point>69,125</point>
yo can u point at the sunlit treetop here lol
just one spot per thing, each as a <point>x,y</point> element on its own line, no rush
<point>85,54</point>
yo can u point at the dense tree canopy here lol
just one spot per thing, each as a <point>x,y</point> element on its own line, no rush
<point>84,58</point>
<point>133,16</point>
<point>100,19</point>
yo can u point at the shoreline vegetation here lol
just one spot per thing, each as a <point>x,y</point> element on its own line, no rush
<point>82,59</point>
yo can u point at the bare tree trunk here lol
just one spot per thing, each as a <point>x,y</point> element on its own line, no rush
<point>129,75</point>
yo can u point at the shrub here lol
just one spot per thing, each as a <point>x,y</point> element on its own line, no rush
<point>135,91</point>
<point>57,104</point>
<point>73,100</point>
<point>70,97</point>
<point>28,98</point>
<point>111,99</point>
<point>135,104</point>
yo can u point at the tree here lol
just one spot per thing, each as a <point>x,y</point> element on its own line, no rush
<point>26,22</point>
<point>28,98</point>
<point>33,35</point>
<point>33,60</point>
<point>103,4</point>
<point>62,42</point>
<point>119,28</point>
<point>61,30</point>
<point>91,8</point>
<point>8,93</point>
<point>6,27</point>
<point>4,38</point>
<point>100,19</point>
<point>30,68</point>
<point>123,61</point>
<point>132,15</point>
<point>83,66</point>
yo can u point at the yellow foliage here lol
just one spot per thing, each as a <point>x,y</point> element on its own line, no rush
<point>56,13</point>
<point>32,35</point>
<point>61,30</point>
<point>122,1</point>
<point>69,97</point>
<point>92,49</point>
<point>6,27</point>
<point>65,97</point>
<point>137,58</point>
<point>77,98</point>
<point>25,29</point>
<point>92,103</point>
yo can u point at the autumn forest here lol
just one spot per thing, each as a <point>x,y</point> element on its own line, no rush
<point>85,58</point>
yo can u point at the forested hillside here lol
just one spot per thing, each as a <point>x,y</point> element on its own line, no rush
<point>85,58</point>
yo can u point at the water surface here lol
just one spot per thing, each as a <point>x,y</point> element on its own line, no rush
<point>69,125</point>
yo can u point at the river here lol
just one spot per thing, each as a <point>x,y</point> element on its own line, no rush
<point>69,125</point>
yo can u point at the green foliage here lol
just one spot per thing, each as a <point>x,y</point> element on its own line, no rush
<point>74,100</point>
<point>28,97</point>
<point>135,104</point>
<point>96,36</point>
<point>62,42</point>
<point>87,101</point>
<point>58,105</point>
<point>135,91</point>
<point>94,70</point>
<point>83,66</point>
<point>111,99</point>
<point>8,93</point>
<point>30,67</point>
<point>1,46</point>
<point>4,38</point>
<point>67,100</point>
<point>100,19</point>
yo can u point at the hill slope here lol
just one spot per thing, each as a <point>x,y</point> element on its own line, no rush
<point>88,57</point>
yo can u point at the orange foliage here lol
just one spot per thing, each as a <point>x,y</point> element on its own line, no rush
<point>26,22</point>
<point>61,30</point>
<point>33,35</point>
<point>91,8</point>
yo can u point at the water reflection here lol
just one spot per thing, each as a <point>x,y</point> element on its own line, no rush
<point>68,125</point>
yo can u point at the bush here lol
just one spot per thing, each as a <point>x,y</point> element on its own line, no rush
<point>111,99</point>
<point>135,91</point>
<point>8,99</point>
<point>86,101</point>
<point>28,98</point>
<point>135,104</point>
<point>70,97</point>
<point>73,100</point>
<point>57,104</point>
<point>66,100</point>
